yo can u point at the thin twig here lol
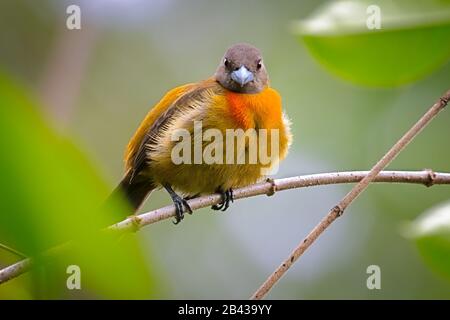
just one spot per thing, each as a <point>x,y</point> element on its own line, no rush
<point>426,177</point>
<point>11,250</point>
<point>339,209</point>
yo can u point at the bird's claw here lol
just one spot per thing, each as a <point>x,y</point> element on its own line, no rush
<point>227,198</point>
<point>181,206</point>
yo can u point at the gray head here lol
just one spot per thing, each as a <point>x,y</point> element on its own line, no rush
<point>242,69</point>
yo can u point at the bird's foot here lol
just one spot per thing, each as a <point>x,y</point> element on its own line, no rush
<point>181,205</point>
<point>227,198</point>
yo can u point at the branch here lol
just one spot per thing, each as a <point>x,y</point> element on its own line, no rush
<point>269,187</point>
<point>339,209</point>
<point>14,270</point>
<point>11,250</point>
<point>426,177</point>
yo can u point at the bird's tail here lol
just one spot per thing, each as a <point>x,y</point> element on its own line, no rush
<point>135,189</point>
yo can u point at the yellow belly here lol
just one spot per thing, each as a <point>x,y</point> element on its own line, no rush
<point>192,179</point>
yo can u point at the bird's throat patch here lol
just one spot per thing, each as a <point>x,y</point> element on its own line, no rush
<point>247,109</point>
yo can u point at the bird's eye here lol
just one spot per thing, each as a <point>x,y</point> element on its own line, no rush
<point>259,65</point>
<point>226,62</point>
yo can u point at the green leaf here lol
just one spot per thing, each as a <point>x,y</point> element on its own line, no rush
<point>411,44</point>
<point>50,193</point>
<point>431,232</point>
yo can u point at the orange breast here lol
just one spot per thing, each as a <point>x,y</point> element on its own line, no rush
<point>261,110</point>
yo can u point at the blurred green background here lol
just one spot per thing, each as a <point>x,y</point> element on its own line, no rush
<point>93,87</point>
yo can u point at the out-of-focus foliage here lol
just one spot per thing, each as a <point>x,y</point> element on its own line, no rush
<point>339,38</point>
<point>431,231</point>
<point>51,194</point>
<point>337,35</point>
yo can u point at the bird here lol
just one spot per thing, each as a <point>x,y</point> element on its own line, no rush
<point>237,96</point>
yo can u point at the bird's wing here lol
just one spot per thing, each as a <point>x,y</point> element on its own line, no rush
<point>175,102</point>
<point>134,145</point>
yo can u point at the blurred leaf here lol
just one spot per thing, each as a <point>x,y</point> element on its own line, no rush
<point>412,42</point>
<point>50,194</point>
<point>431,232</point>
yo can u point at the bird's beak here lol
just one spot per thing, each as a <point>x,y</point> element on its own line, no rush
<point>242,76</point>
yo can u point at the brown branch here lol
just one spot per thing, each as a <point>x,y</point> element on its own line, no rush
<point>339,209</point>
<point>426,177</point>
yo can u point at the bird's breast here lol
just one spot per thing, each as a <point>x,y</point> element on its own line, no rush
<point>258,110</point>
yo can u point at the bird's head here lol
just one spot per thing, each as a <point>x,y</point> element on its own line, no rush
<point>242,69</point>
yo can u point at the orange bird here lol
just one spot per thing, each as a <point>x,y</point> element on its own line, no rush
<point>237,96</point>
